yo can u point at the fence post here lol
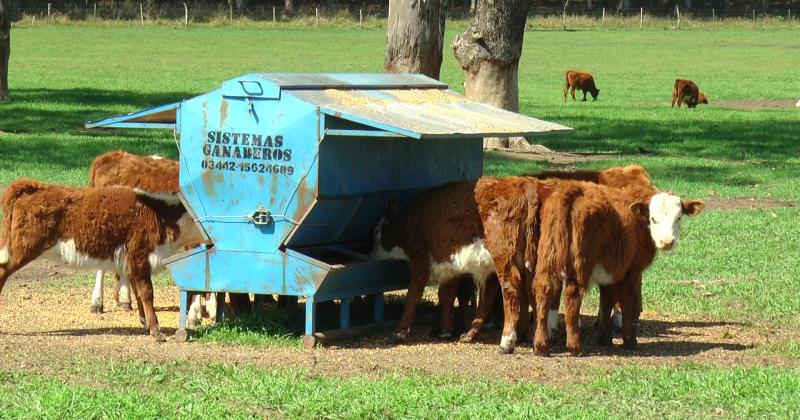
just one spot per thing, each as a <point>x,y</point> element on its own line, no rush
<point>94,16</point>
<point>361,18</point>
<point>185,15</point>
<point>678,13</point>
<point>641,17</point>
<point>754,16</point>
<point>316,17</point>
<point>273,16</point>
<point>713,15</point>
<point>564,16</point>
<point>141,13</point>
<point>230,10</point>
<point>48,12</point>
<point>603,19</point>
<point>790,15</point>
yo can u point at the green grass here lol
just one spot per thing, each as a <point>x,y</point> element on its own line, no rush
<point>144,389</point>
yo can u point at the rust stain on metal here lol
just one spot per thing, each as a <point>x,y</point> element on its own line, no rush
<point>223,113</point>
<point>305,197</point>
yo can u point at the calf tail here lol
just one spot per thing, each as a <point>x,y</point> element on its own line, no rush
<point>11,194</point>
<point>531,229</point>
<point>556,234</point>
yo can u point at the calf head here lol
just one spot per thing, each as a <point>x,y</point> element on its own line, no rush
<point>595,93</point>
<point>665,213</point>
<point>387,236</point>
<point>701,99</point>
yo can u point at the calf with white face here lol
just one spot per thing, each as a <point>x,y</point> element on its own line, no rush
<point>591,234</point>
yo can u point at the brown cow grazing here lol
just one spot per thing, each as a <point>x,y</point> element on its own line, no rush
<point>623,177</point>
<point>580,80</point>
<point>687,91</point>
<point>477,228</point>
<point>149,173</point>
<point>120,229</point>
<point>593,234</point>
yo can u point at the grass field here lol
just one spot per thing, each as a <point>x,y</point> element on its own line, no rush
<point>740,265</point>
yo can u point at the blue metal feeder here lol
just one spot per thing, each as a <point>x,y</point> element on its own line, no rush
<point>288,174</point>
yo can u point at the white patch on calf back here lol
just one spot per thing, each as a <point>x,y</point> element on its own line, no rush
<point>471,259</point>
<point>67,252</point>
<point>601,276</point>
<point>156,157</point>
<point>4,257</point>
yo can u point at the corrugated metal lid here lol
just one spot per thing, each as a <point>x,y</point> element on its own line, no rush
<point>422,113</point>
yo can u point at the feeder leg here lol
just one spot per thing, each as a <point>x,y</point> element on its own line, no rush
<point>311,315</point>
<point>379,307</point>
<point>344,313</point>
<point>180,334</point>
<point>220,308</point>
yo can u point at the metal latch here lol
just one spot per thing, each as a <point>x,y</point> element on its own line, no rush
<point>261,216</point>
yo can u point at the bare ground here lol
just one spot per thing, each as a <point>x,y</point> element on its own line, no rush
<point>755,104</point>
<point>44,327</point>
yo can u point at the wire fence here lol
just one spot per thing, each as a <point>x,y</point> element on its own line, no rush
<point>200,12</point>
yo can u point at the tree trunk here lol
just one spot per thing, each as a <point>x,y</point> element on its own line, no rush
<point>5,47</point>
<point>288,7</point>
<point>415,37</point>
<point>489,52</point>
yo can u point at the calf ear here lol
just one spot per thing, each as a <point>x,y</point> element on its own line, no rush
<point>692,208</point>
<point>640,209</point>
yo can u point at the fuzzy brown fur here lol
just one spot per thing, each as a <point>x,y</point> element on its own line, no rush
<point>687,91</point>
<point>144,172</point>
<point>99,221</point>
<point>583,226</point>
<point>580,80</point>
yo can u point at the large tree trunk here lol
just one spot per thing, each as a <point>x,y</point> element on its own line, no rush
<point>5,46</point>
<point>415,37</point>
<point>489,52</point>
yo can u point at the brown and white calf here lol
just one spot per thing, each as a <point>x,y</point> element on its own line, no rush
<point>687,91</point>
<point>150,173</point>
<point>622,177</point>
<point>119,229</point>
<point>476,228</point>
<point>154,174</point>
<point>580,80</point>
<point>593,234</point>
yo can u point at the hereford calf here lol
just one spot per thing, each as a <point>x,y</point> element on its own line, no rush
<point>623,177</point>
<point>580,80</point>
<point>149,173</point>
<point>593,234</point>
<point>119,229</point>
<point>687,91</point>
<point>477,228</point>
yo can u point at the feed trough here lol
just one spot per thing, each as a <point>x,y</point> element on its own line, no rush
<point>288,174</point>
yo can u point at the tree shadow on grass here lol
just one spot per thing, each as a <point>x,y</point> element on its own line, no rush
<point>65,110</point>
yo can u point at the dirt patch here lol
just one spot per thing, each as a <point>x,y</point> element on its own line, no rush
<point>541,153</point>
<point>755,104</point>
<point>43,327</point>
<point>746,203</point>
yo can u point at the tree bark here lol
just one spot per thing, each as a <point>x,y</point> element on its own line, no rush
<point>489,52</point>
<point>415,37</point>
<point>5,47</point>
<point>288,7</point>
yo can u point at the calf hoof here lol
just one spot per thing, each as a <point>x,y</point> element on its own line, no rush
<point>398,338</point>
<point>96,309</point>
<point>507,343</point>
<point>541,351</point>
<point>126,306</point>
<point>468,336</point>
<point>604,340</point>
<point>629,343</point>
<point>576,352</point>
<point>142,321</point>
<point>506,350</point>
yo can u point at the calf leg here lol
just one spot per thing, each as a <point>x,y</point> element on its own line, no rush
<point>447,296</point>
<point>543,291</point>
<point>514,296</point>
<point>122,293</point>
<point>97,293</point>
<point>573,93</point>
<point>140,276</point>
<point>573,295</point>
<point>628,329</point>
<point>566,89</point>
<point>552,313</point>
<point>604,316</point>
<point>195,315</point>
<point>420,273</point>
<point>584,96</point>
<point>487,297</point>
